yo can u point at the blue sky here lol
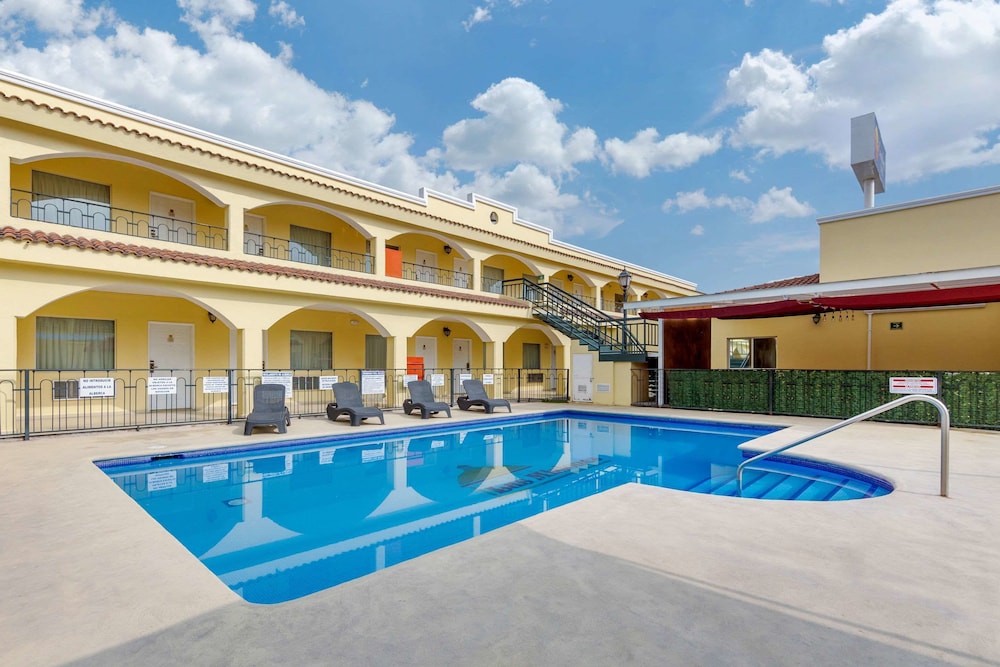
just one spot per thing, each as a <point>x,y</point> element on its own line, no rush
<point>699,138</point>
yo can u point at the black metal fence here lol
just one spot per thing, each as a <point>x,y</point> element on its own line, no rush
<point>972,397</point>
<point>35,402</point>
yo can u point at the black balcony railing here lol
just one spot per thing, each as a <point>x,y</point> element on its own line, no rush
<point>34,402</point>
<point>106,218</point>
<point>273,247</point>
<point>432,274</point>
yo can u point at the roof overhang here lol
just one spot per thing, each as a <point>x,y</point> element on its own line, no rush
<point>942,288</point>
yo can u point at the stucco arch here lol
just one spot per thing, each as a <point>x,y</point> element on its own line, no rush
<point>437,236</point>
<point>351,222</point>
<point>200,189</point>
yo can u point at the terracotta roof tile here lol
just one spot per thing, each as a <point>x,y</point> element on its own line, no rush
<point>811,279</point>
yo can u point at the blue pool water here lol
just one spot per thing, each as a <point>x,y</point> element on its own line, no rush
<point>284,521</point>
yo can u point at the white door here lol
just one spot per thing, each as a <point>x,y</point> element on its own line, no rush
<point>172,219</point>
<point>426,266</point>
<point>171,354</point>
<point>463,273</point>
<point>461,360</point>
<point>583,378</point>
<point>253,234</point>
<point>427,347</point>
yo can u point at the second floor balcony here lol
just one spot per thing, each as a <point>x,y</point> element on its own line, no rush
<point>307,253</point>
<point>100,216</point>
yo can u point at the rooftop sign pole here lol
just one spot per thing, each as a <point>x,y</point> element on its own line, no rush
<point>868,156</point>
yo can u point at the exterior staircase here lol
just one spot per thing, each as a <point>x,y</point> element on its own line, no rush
<point>605,334</point>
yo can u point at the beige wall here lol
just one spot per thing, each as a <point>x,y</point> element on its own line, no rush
<point>952,339</point>
<point>956,234</point>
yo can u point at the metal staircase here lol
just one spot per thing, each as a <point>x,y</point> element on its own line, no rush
<point>564,312</point>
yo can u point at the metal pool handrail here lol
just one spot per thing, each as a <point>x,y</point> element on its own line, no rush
<point>945,426</point>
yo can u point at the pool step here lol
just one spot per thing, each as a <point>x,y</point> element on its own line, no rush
<point>782,481</point>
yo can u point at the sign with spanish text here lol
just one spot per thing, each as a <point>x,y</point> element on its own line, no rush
<point>487,378</point>
<point>437,379</point>
<point>326,382</point>
<point>162,385</point>
<point>913,385</point>
<point>373,382</point>
<point>216,385</point>
<point>278,377</point>
<point>96,387</point>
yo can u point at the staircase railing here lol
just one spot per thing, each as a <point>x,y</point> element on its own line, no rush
<point>945,426</point>
<point>576,318</point>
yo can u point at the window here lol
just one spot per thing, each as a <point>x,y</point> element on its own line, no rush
<point>753,352</point>
<point>63,343</point>
<point>310,246</point>
<point>375,352</point>
<point>531,355</point>
<point>492,279</point>
<point>70,201</point>
<point>311,350</point>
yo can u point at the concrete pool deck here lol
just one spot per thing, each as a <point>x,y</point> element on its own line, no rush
<point>635,575</point>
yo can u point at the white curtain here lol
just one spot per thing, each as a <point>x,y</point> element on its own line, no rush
<point>63,343</point>
<point>311,350</point>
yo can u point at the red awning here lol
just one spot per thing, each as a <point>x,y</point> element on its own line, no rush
<point>819,304</point>
<point>935,297</point>
<point>781,308</point>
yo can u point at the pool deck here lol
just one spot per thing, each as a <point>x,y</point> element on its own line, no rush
<point>636,575</point>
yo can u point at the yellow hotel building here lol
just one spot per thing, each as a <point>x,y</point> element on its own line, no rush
<point>136,248</point>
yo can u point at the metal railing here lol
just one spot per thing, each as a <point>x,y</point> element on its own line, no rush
<point>273,247</point>
<point>36,402</point>
<point>578,319</point>
<point>106,218</point>
<point>943,415</point>
<point>436,276</point>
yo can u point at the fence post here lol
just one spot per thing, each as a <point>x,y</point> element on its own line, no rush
<point>770,390</point>
<point>229,396</point>
<point>518,385</point>
<point>26,385</point>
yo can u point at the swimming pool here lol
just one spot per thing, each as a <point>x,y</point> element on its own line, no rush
<point>279,522</point>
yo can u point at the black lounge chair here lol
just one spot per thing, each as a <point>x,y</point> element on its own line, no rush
<point>268,409</point>
<point>477,396</point>
<point>348,402</point>
<point>422,398</point>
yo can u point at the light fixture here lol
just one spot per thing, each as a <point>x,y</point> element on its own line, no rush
<point>212,317</point>
<point>569,277</point>
<point>494,218</point>
<point>355,323</point>
<point>447,249</point>
<point>625,280</point>
<point>816,318</point>
<point>447,331</point>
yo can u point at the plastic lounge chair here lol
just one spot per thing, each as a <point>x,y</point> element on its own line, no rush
<point>422,398</point>
<point>348,402</point>
<point>268,409</point>
<point>477,396</point>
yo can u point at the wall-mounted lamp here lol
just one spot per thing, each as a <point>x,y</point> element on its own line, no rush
<point>494,218</point>
<point>447,250</point>
<point>569,277</point>
<point>816,318</point>
<point>447,331</point>
<point>212,317</point>
<point>355,323</point>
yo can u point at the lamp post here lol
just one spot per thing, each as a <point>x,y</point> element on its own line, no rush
<point>625,280</point>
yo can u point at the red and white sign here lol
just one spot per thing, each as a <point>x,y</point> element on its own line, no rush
<point>907,385</point>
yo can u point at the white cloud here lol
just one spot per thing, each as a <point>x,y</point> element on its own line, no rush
<point>772,204</point>
<point>764,248</point>
<point>541,201</point>
<point>519,124</point>
<point>645,152</point>
<point>697,230</point>
<point>479,15</point>
<point>739,175</point>
<point>287,16</point>
<point>61,17</point>
<point>927,68</point>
